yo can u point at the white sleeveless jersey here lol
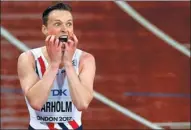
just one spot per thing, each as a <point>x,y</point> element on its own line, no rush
<point>58,112</point>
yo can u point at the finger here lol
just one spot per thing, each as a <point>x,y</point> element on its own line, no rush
<point>75,38</point>
<point>66,45</point>
<point>70,35</point>
<point>47,40</point>
<point>52,40</point>
<point>71,43</point>
<point>57,42</point>
<point>60,44</point>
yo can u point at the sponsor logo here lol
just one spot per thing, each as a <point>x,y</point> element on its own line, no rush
<point>74,62</point>
<point>59,92</point>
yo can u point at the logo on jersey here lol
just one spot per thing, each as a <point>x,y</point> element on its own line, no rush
<point>63,72</point>
<point>59,92</point>
<point>74,62</point>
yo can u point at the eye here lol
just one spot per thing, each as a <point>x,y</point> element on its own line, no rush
<point>69,24</point>
<point>57,24</point>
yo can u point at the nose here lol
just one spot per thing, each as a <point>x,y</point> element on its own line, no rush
<point>63,29</point>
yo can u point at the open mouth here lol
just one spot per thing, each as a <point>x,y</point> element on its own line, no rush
<point>63,38</point>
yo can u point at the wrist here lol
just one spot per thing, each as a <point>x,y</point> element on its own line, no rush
<point>68,64</point>
<point>54,66</point>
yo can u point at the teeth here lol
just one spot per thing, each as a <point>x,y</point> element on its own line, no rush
<point>63,36</point>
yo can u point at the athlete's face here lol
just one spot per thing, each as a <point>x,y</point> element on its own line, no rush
<point>60,22</point>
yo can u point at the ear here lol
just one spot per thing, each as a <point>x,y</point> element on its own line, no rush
<point>44,30</point>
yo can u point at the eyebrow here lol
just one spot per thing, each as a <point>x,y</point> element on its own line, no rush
<point>61,21</point>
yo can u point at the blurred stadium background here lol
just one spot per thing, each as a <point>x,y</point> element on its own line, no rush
<point>135,69</point>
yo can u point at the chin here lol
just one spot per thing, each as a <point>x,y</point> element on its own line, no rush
<point>63,50</point>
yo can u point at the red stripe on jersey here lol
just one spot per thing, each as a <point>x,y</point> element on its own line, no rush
<point>73,124</point>
<point>42,65</point>
<point>51,126</point>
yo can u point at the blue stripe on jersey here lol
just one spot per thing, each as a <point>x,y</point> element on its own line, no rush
<point>36,68</point>
<point>63,126</point>
<point>79,128</point>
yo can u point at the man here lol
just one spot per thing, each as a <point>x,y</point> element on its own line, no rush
<point>57,79</point>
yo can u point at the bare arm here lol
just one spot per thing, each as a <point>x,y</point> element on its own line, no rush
<point>81,88</point>
<point>35,90</point>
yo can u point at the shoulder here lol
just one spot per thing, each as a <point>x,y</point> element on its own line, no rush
<point>29,54</point>
<point>86,57</point>
<point>26,57</point>
<point>86,60</point>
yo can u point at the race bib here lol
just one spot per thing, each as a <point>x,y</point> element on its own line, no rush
<point>55,110</point>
